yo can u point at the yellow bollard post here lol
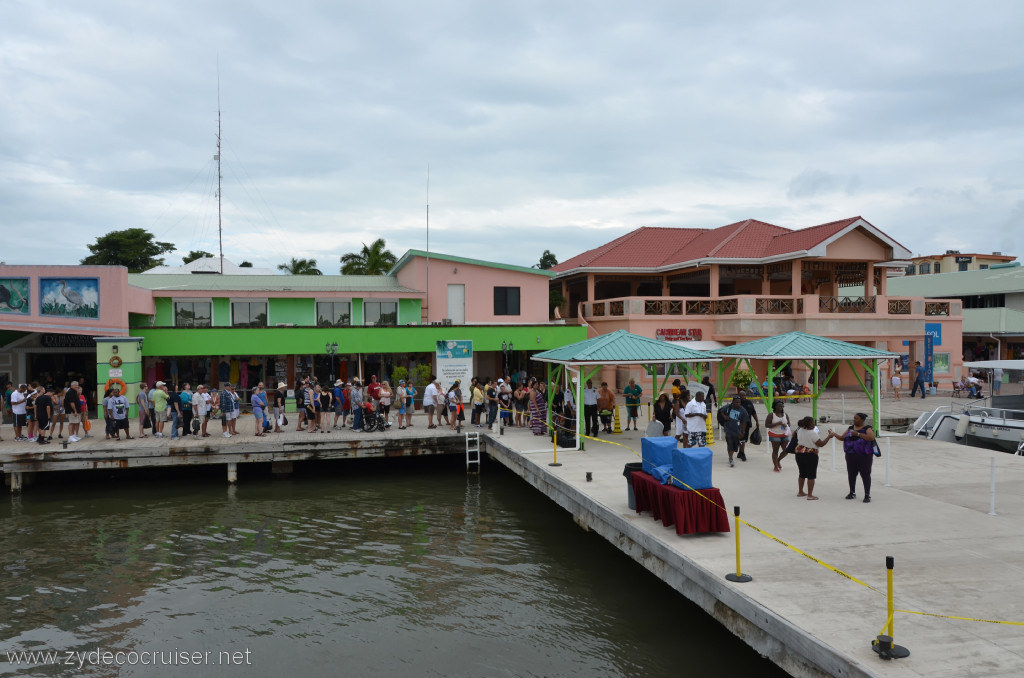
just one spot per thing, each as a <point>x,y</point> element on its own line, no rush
<point>555,461</point>
<point>616,424</point>
<point>711,432</point>
<point>884,645</point>
<point>737,576</point>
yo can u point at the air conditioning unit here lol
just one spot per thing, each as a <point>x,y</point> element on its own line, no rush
<point>447,322</point>
<point>284,324</point>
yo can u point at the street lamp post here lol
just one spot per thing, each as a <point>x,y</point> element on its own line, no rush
<point>331,349</point>
<point>506,350</point>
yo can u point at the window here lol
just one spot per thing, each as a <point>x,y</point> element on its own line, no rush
<point>380,312</point>
<point>940,363</point>
<point>192,314</point>
<point>333,314</point>
<point>981,267</point>
<point>248,314</point>
<point>506,301</point>
<point>938,267</point>
<point>925,267</point>
<point>911,270</point>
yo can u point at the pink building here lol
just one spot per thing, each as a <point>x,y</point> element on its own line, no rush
<point>752,279</point>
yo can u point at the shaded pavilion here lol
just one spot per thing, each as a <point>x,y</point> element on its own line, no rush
<point>584,359</point>
<point>808,349</point>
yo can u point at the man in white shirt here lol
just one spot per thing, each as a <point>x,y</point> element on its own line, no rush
<point>696,414</point>
<point>430,402</point>
<point>18,398</point>
<point>997,380</point>
<point>590,409</point>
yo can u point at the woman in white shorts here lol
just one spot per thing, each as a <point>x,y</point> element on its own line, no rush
<point>896,383</point>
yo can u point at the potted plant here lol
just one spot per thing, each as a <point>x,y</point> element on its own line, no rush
<point>741,379</point>
<point>398,375</point>
<point>420,376</point>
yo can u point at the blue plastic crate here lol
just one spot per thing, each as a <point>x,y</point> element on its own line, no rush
<point>692,466</point>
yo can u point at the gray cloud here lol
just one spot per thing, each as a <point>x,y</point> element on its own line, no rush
<point>545,126</point>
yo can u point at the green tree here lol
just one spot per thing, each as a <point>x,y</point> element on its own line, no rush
<point>555,300</point>
<point>373,260</point>
<point>245,264</point>
<point>547,260</point>
<point>300,267</point>
<point>196,254</point>
<point>133,248</point>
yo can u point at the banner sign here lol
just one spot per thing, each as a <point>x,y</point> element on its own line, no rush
<point>935,330</point>
<point>455,361</point>
<point>929,359</point>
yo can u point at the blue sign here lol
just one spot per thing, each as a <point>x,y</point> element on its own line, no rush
<point>929,359</point>
<point>935,331</point>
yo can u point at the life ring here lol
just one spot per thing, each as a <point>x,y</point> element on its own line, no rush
<point>115,361</point>
<point>116,382</point>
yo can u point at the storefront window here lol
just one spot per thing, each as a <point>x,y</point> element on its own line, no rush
<point>380,312</point>
<point>333,314</point>
<point>192,314</point>
<point>249,314</point>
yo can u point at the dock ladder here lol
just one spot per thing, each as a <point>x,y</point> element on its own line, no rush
<point>472,452</point>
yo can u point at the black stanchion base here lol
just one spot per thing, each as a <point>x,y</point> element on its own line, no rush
<point>739,578</point>
<point>886,649</point>
<point>554,464</point>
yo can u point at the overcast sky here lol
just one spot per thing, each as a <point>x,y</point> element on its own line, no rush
<point>545,125</point>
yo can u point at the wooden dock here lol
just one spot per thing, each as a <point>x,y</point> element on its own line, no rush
<point>281,450</point>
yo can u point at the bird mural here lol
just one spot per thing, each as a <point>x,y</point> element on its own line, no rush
<point>7,298</point>
<point>73,297</point>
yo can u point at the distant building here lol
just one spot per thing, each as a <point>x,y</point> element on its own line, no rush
<point>209,266</point>
<point>954,261</point>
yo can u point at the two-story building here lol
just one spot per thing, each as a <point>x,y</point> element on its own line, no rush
<point>208,328</point>
<point>955,261</point>
<point>753,279</point>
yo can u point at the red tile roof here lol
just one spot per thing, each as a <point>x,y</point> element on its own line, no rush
<point>650,247</point>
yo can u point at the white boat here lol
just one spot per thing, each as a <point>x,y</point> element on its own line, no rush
<point>995,422</point>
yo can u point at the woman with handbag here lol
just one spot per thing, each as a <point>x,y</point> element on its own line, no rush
<point>777,425</point>
<point>860,448</point>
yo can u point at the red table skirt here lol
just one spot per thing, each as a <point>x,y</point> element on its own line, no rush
<point>686,509</point>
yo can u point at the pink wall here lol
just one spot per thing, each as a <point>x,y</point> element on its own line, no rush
<point>114,295</point>
<point>856,245</point>
<point>480,282</point>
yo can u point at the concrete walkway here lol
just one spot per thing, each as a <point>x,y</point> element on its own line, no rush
<point>952,558</point>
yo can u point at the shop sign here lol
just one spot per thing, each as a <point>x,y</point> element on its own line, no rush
<point>964,260</point>
<point>66,341</point>
<point>934,330</point>
<point>678,334</point>
<point>115,373</point>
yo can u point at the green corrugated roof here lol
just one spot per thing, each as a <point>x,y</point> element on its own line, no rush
<point>623,347</point>
<point>465,260</point>
<point>958,283</point>
<point>268,283</point>
<point>994,320</point>
<point>800,345</point>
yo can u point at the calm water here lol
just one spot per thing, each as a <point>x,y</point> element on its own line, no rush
<point>359,569</point>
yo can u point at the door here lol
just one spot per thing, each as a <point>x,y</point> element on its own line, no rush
<point>457,304</point>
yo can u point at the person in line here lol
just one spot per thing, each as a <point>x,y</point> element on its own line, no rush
<point>504,402</point>
<point>748,405</point>
<point>318,407</point>
<point>491,391</point>
<point>202,406</point>
<point>632,394</point>
<point>142,400</point>
<point>896,381</point>
<point>859,446</point>
<point>346,404</point>
<point>519,403</point>
<point>373,392</point>
<point>807,446</point>
<point>538,403</point>
<point>257,410</point>
<point>590,396</point>
<point>735,422</point>
<point>919,373</point>
<point>236,409</point>
<point>59,417</point>
<point>386,396</point>
<point>17,402</point>
<point>478,402</point>
<point>174,405</point>
<point>160,400</point>
<point>778,427</point>
<point>326,407</point>
<point>108,419</point>
<point>401,401</point>
<point>356,405</point>
<point>72,407</point>
<point>118,405</point>
<point>430,402</point>
<point>44,413</point>
<point>185,407</point>
<point>696,413</point>
<point>606,406</point>
<point>663,413</point>
<point>338,400</point>
<point>410,402</point>
<point>279,399</point>
<point>454,398</point>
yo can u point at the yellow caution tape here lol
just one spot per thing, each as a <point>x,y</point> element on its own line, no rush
<point>949,616</point>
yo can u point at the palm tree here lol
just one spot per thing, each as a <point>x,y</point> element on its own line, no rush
<point>300,267</point>
<point>373,260</point>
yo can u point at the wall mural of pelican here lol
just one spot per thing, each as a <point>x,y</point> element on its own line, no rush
<point>69,297</point>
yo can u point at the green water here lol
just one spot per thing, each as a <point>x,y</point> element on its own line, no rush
<point>392,568</point>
